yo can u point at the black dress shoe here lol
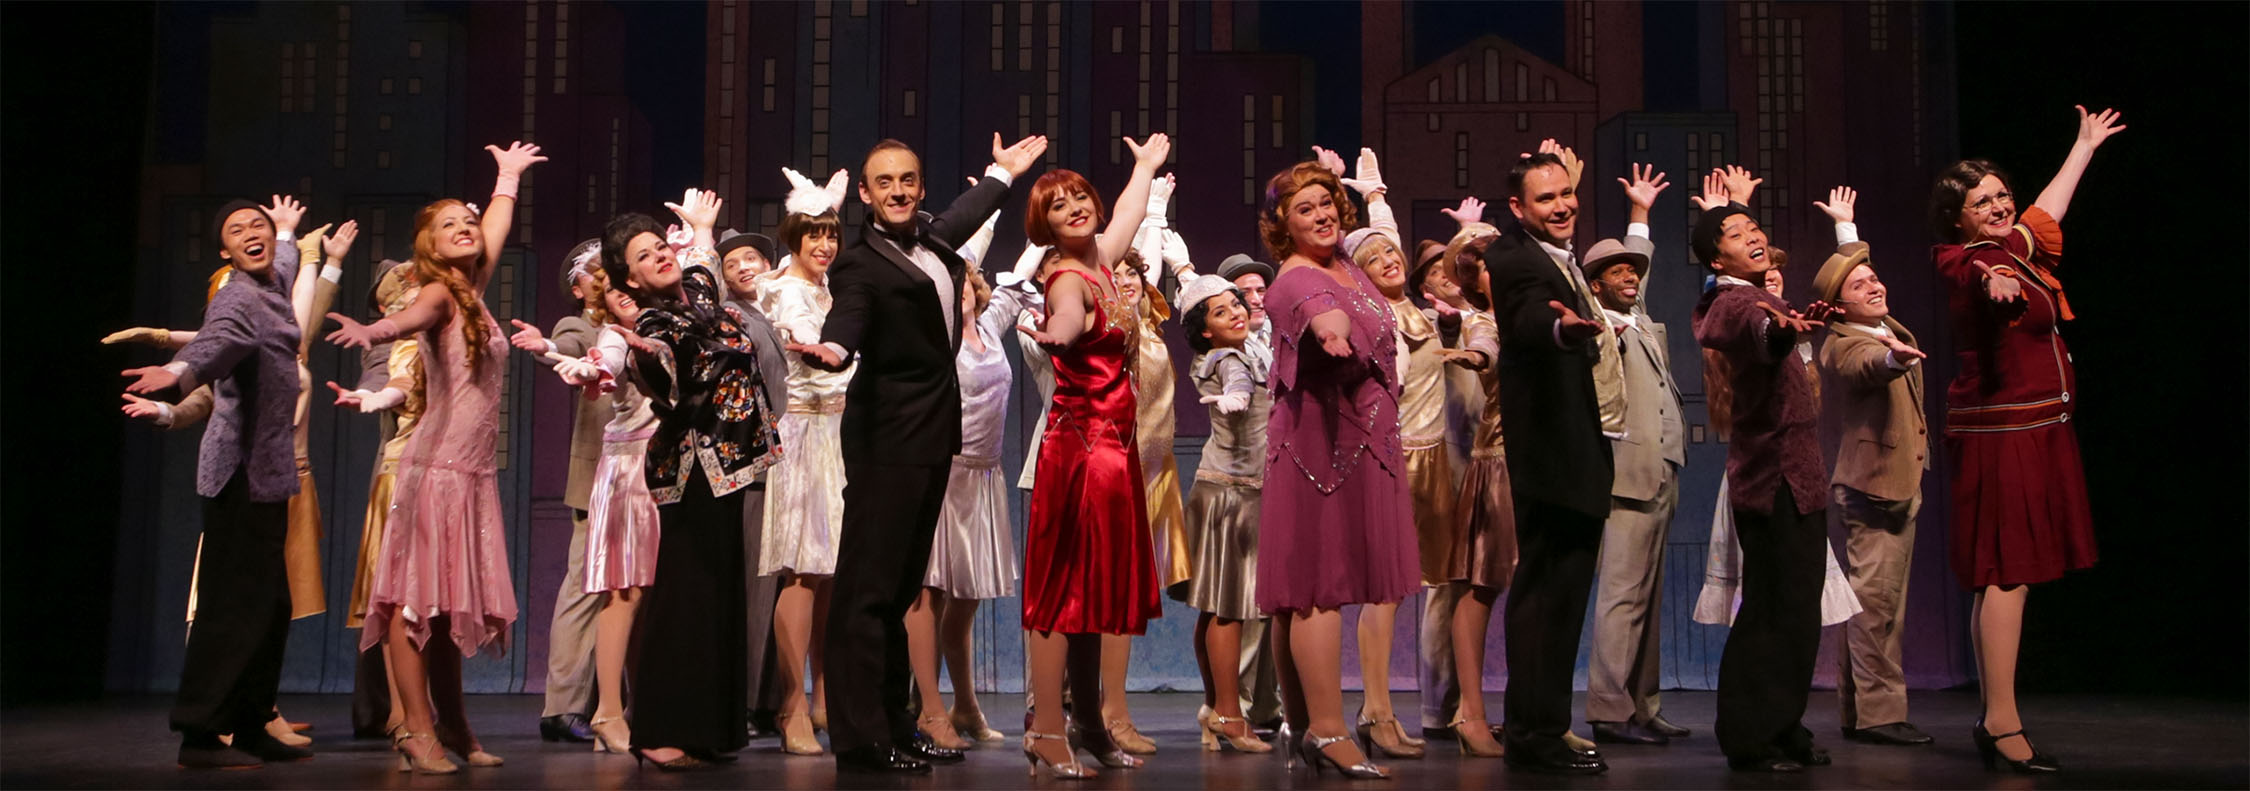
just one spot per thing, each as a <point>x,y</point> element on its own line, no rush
<point>1772,763</point>
<point>880,759</point>
<point>204,751</point>
<point>1899,734</point>
<point>1809,755</point>
<point>566,728</point>
<point>761,725</point>
<point>1658,724</point>
<point>923,747</point>
<point>1626,733</point>
<point>267,748</point>
<point>1553,759</point>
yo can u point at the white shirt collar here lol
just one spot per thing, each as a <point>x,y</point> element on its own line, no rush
<point>1878,329</point>
<point>1730,280</point>
<point>1562,254</point>
<point>1622,319</point>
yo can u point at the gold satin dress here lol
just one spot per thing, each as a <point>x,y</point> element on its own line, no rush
<point>1154,423</point>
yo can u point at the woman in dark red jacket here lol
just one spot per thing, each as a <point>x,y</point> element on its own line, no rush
<point>2019,494</point>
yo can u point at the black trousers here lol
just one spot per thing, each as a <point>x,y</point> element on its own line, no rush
<point>890,518</point>
<point>690,640</point>
<point>767,690</point>
<point>371,694</point>
<point>233,666</point>
<point>1556,551</point>
<point>1766,671</point>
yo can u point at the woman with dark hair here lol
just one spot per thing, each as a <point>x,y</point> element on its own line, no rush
<point>804,505</point>
<point>1089,568</point>
<point>2019,492</point>
<point>1222,506</point>
<point>444,566</point>
<point>1335,519</point>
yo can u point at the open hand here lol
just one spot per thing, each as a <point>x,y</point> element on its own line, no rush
<point>1040,336</point>
<point>1740,184</point>
<point>339,244</point>
<point>516,158</point>
<point>1329,160</point>
<point>1571,324</point>
<point>1839,205</point>
<point>2001,288</point>
<point>1821,311</point>
<point>1336,344</point>
<point>1018,159</point>
<point>286,212</point>
<point>1471,210</point>
<point>1791,320</point>
<point>1570,163</point>
<point>150,379</point>
<point>528,338</point>
<point>352,334</point>
<point>1369,181</point>
<point>2093,129</point>
<point>1903,351</point>
<point>140,408</point>
<point>1645,185</point>
<point>1714,191</point>
<point>699,209</point>
<point>1227,403</point>
<point>817,351</point>
<point>1151,153</point>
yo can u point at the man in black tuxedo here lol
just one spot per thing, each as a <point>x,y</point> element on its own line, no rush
<point>896,293</point>
<point>1558,458</point>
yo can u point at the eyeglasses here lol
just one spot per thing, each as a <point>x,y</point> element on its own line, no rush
<point>1990,202</point>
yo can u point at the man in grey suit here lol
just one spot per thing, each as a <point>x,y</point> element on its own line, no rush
<point>1622,676</point>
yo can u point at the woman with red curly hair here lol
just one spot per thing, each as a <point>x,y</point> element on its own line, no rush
<point>1336,519</point>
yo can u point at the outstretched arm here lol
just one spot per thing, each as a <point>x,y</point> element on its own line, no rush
<point>1066,315</point>
<point>2092,130</point>
<point>1132,204</point>
<point>500,216</point>
<point>432,306</point>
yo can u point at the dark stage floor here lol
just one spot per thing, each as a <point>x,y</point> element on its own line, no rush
<point>2107,742</point>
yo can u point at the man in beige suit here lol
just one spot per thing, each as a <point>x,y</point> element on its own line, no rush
<point>1622,675</point>
<point>1871,366</point>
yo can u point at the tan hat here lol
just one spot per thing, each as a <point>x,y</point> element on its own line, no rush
<point>1608,252</point>
<point>1828,284</point>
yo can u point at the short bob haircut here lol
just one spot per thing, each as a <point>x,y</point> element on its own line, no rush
<point>1285,186</point>
<point>795,228</point>
<point>1051,184</point>
<point>1952,190</point>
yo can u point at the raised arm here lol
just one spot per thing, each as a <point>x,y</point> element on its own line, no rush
<point>698,209</point>
<point>500,216</point>
<point>1132,204</point>
<point>1369,184</point>
<point>2092,130</point>
<point>315,289</point>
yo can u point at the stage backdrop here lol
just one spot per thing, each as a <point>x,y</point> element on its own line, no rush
<point>369,111</point>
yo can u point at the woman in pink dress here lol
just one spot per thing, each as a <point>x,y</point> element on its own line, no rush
<point>1089,568</point>
<point>444,567</point>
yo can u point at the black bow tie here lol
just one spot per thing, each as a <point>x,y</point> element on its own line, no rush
<point>906,240</point>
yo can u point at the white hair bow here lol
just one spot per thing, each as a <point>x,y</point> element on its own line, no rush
<point>811,199</point>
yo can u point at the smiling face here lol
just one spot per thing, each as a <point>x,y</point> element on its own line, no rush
<point>1742,249</point>
<point>1773,282</point>
<point>622,309</point>
<point>1987,212</point>
<point>814,253</point>
<point>246,241</point>
<point>651,263</point>
<point>1253,286</point>
<point>891,183</point>
<point>1128,281</point>
<point>1313,222</point>
<point>1548,204</point>
<point>1226,322</point>
<point>1071,215</point>
<point>1863,298</point>
<point>1384,264</point>
<point>743,265</point>
<point>1619,287</point>
<point>456,234</point>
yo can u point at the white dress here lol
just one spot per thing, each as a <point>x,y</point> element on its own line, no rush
<point>974,553</point>
<point>805,488</point>
<point>621,517</point>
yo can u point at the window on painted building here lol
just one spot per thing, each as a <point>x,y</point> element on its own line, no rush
<point>909,103</point>
<point>1460,159</point>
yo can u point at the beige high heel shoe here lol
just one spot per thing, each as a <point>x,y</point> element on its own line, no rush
<point>435,764</point>
<point>940,730</point>
<point>975,728</point>
<point>606,743</point>
<point>1464,729</point>
<point>1216,733</point>
<point>794,744</point>
<point>1374,732</point>
<point>1070,771</point>
<point>1128,737</point>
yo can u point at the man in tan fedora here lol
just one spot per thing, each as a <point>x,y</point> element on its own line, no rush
<point>1622,672</point>
<point>1871,365</point>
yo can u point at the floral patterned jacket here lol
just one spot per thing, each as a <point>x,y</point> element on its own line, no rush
<point>707,390</point>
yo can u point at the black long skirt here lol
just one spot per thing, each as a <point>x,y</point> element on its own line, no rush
<point>685,672</point>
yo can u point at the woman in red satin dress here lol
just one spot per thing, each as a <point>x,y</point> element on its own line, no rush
<point>1089,569</point>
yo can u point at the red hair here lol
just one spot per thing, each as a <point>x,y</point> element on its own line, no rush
<point>1050,184</point>
<point>428,268</point>
<point>1282,188</point>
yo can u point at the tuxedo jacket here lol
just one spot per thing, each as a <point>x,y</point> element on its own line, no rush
<point>1549,413</point>
<point>904,402</point>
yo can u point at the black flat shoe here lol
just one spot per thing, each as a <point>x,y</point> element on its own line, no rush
<point>923,747</point>
<point>1626,733</point>
<point>1553,759</point>
<point>208,753</point>
<point>1811,756</point>
<point>884,760</point>
<point>1773,764</point>
<point>1896,734</point>
<point>565,728</point>
<point>1988,748</point>
<point>1658,724</point>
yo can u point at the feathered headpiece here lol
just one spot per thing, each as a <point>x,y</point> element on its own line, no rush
<point>813,200</point>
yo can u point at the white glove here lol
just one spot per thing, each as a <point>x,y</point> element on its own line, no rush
<point>1159,198</point>
<point>1176,254</point>
<point>377,401</point>
<point>1027,265</point>
<point>1228,403</point>
<point>1370,179</point>
<point>575,371</point>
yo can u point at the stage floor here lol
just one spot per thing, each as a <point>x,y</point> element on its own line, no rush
<point>2106,742</point>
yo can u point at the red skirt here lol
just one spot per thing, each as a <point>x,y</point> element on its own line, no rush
<point>1088,564</point>
<point>2019,507</point>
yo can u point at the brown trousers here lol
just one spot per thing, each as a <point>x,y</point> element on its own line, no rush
<point>1879,551</point>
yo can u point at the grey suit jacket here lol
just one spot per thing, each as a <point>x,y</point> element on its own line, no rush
<point>773,366</point>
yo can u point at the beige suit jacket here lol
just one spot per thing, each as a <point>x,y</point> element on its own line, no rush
<point>1884,434</point>
<point>573,335</point>
<point>1653,447</point>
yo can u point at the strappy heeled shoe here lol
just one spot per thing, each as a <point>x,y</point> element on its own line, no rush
<point>974,728</point>
<point>684,763</point>
<point>1400,745</point>
<point>1216,733</point>
<point>1464,729</point>
<point>1988,748</point>
<point>435,764</point>
<point>604,742</point>
<point>1128,737</point>
<point>1070,771</point>
<point>793,744</point>
<point>940,731</point>
<point>1313,750</point>
<point>1102,747</point>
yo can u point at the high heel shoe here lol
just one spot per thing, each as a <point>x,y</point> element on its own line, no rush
<point>940,731</point>
<point>1313,750</point>
<point>1070,771</point>
<point>1399,747</point>
<point>1290,742</point>
<point>1129,738</point>
<point>1463,730</point>
<point>794,744</point>
<point>1102,747</point>
<point>684,763</point>
<point>604,742</point>
<point>1988,748</point>
<point>436,764</point>
<point>1215,733</point>
<point>974,728</point>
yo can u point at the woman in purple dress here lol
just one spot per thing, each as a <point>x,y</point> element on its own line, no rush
<point>1336,521</point>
